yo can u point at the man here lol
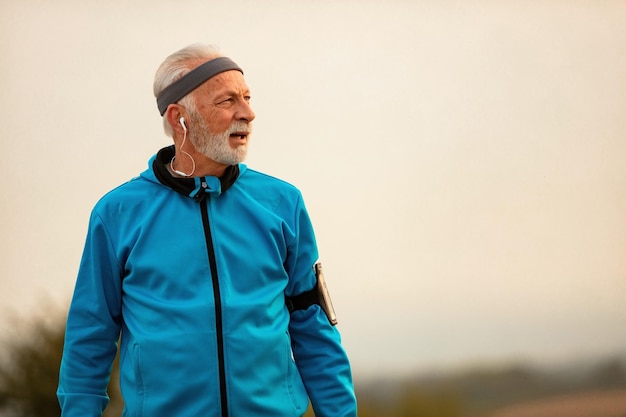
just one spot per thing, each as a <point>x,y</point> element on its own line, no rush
<point>205,270</point>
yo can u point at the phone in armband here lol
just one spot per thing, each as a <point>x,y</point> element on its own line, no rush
<point>324,295</point>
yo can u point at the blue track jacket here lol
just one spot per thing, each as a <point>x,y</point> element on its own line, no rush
<point>193,274</point>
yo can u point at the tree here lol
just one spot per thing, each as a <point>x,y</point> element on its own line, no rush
<point>29,369</point>
<point>30,359</point>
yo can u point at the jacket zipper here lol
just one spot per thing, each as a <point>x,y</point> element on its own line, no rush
<point>218,304</point>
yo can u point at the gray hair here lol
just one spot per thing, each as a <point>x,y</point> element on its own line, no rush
<point>175,67</point>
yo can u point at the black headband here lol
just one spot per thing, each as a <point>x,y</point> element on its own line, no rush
<point>192,80</point>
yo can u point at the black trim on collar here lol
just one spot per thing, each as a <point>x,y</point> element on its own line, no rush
<point>186,186</point>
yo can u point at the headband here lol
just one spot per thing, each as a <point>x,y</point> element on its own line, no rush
<point>192,80</point>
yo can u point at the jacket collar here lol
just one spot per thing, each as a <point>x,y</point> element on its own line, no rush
<point>196,187</point>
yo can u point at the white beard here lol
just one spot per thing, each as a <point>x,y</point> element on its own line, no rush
<point>217,147</point>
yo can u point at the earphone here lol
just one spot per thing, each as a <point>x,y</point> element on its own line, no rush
<point>181,173</point>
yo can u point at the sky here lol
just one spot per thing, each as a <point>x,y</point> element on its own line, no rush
<point>462,161</point>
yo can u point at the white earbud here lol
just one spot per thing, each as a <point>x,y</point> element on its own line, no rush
<point>193,168</point>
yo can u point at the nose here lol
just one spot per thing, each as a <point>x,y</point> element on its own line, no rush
<point>245,111</point>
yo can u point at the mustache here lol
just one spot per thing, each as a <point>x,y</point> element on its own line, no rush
<point>240,127</point>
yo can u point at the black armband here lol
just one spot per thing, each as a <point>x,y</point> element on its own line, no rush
<point>318,295</point>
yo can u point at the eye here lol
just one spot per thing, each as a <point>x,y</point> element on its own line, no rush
<point>225,102</point>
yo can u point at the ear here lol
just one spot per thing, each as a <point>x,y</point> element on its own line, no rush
<point>173,114</point>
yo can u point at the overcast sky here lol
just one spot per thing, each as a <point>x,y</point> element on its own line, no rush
<point>463,161</point>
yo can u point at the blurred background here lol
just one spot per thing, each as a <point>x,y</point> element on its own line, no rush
<point>462,161</point>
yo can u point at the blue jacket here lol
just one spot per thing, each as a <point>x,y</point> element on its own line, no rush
<point>193,273</point>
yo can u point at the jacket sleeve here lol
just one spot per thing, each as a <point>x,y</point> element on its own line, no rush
<point>320,357</point>
<point>93,328</point>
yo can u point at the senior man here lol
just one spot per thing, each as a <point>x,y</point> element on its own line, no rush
<point>206,272</point>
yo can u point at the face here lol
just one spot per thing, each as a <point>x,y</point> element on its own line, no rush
<point>219,147</point>
<point>220,125</point>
